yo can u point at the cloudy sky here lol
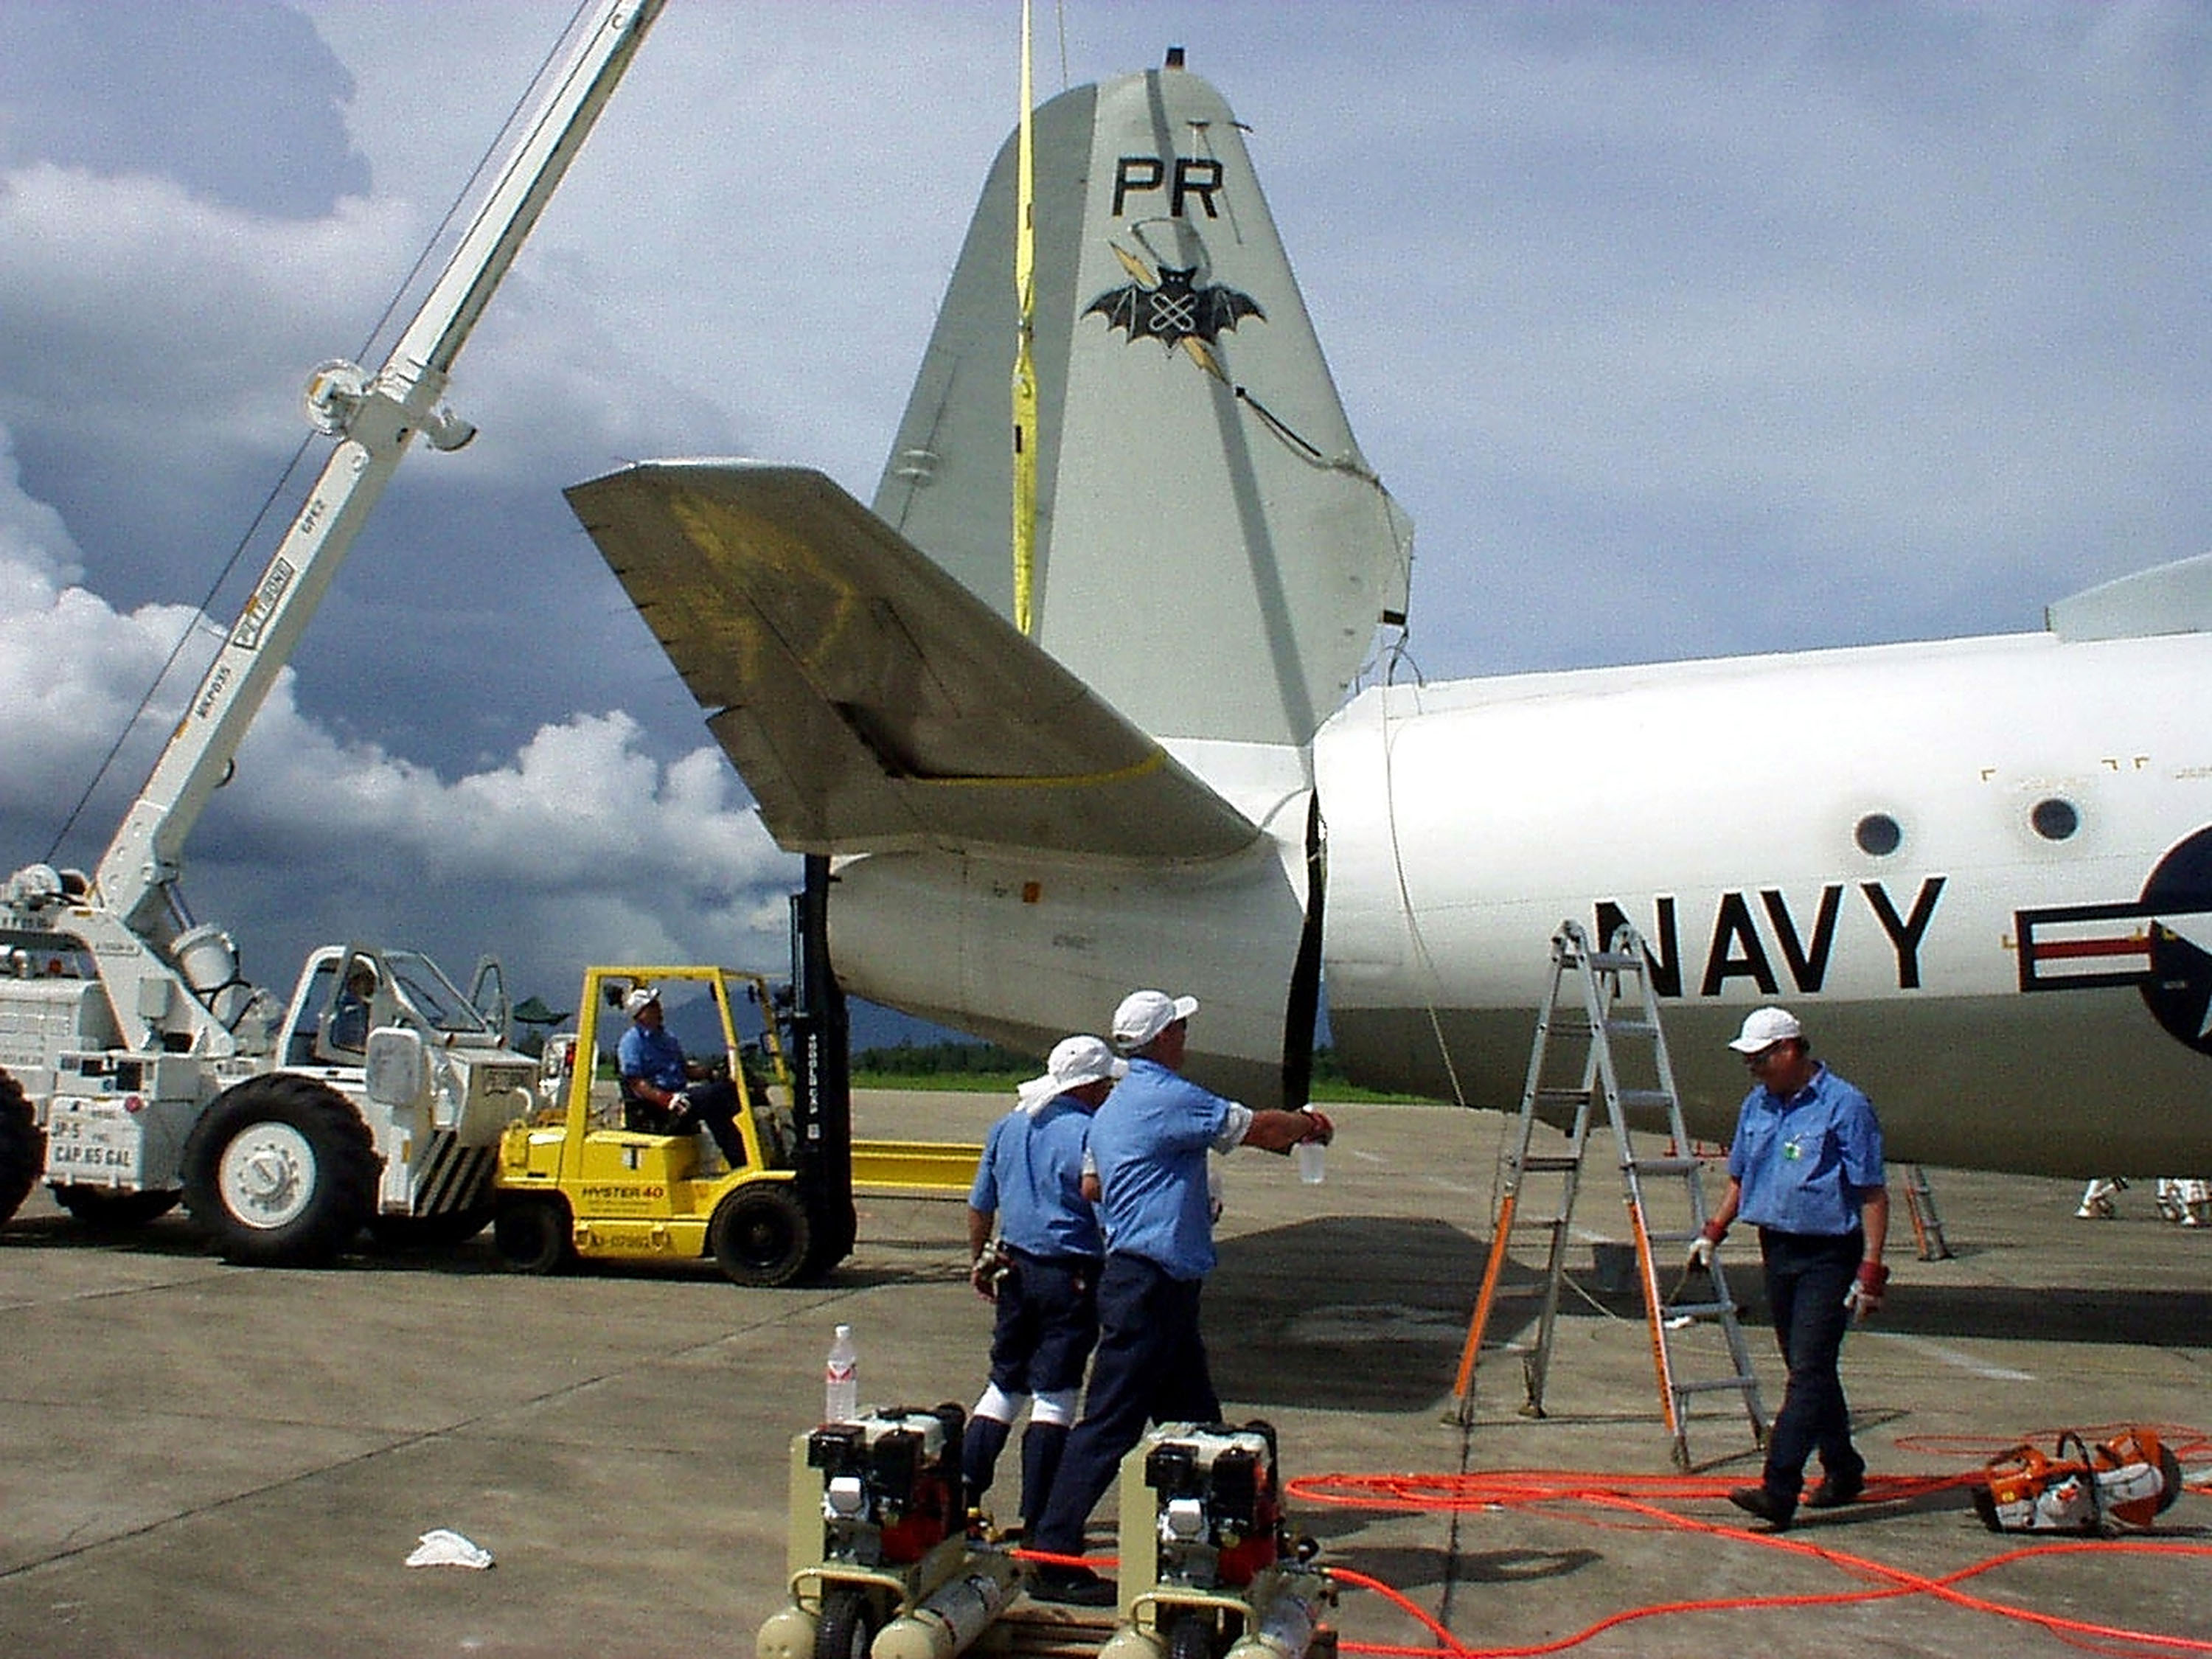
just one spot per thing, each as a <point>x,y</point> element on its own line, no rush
<point>1678,330</point>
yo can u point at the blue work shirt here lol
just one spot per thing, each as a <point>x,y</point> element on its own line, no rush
<point>1807,1163</point>
<point>1032,1178</point>
<point>1150,1140</point>
<point>653,1055</point>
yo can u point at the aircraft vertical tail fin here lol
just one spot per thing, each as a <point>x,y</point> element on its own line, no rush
<point>1213,552</point>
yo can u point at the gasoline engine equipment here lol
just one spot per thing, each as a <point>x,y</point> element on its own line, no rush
<point>879,1560</point>
<point>2122,1482</point>
<point>1208,1570</point>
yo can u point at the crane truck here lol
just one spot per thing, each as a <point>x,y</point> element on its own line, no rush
<point>137,1066</point>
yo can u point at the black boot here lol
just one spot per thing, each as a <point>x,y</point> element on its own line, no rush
<point>979,1455</point>
<point>1041,1445</point>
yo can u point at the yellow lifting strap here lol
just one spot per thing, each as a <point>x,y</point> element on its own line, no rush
<point>1024,384</point>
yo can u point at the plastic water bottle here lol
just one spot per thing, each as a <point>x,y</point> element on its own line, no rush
<point>840,1379</point>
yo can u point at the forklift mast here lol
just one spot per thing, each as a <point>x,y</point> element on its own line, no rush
<point>821,1069</point>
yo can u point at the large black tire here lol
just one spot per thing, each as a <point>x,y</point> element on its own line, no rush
<point>282,1172</point>
<point>761,1234</point>
<point>23,1148</point>
<point>847,1626</point>
<point>429,1232</point>
<point>109,1210</point>
<point>534,1234</point>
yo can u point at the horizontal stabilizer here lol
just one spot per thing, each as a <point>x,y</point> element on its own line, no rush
<point>870,701</point>
<point>2169,599</point>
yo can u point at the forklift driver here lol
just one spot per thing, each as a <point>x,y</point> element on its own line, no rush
<point>662,1095</point>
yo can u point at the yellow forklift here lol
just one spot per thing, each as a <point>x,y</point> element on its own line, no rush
<point>573,1183</point>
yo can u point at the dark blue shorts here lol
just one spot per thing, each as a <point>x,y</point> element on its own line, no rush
<point>1047,1323</point>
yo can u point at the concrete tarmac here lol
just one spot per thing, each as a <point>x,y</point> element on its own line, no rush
<point>204,1459</point>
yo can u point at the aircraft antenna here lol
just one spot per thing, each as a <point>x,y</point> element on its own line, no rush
<point>1025,383</point>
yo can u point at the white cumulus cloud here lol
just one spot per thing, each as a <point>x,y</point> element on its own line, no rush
<point>580,847</point>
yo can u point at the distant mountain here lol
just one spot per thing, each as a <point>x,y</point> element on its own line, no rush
<point>692,1019</point>
<point>875,1027</point>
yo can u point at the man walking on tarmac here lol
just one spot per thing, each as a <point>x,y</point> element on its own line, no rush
<point>1150,1142</point>
<point>1805,1168</point>
<point>1042,1273</point>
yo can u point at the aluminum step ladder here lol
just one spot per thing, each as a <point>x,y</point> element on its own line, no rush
<point>1927,1224</point>
<point>1599,1012</point>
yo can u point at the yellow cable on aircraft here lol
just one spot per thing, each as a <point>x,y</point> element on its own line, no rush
<point>1137,769</point>
<point>1024,387</point>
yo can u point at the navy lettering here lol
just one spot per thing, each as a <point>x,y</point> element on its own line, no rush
<point>1733,926</point>
<point>1906,934</point>
<point>1807,968</point>
<point>1665,966</point>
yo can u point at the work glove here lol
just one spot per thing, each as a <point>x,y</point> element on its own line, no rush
<point>1702,1247</point>
<point>1322,1130</point>
<point>989,1267</point>
<point>1864,1297</point>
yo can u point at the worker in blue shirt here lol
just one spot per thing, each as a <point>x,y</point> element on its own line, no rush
<point>1043,1270</point>
<point>663,1094</point>
<point>1805,1169</point>
<point>1150,1142</point>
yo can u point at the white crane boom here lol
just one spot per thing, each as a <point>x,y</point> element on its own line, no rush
<point>375,420</point>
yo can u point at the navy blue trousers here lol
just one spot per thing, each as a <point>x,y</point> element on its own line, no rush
<point>1046,1325</point>
<point>1149,1368</point>
<point>1046,1321</point>
<point>1807,1276</point>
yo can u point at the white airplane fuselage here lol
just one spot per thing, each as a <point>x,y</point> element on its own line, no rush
<point>1728,809</point>
<point>1862,835</point>
<point>1980,870</point>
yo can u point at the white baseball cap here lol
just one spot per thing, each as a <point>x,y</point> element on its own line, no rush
<point>1144,1015</point>
<point>1765,1027</point>
<point>635,1002</point>
<point>1073,1062</point>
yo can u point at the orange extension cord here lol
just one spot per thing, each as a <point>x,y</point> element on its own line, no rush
<point>1642,1501</point>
